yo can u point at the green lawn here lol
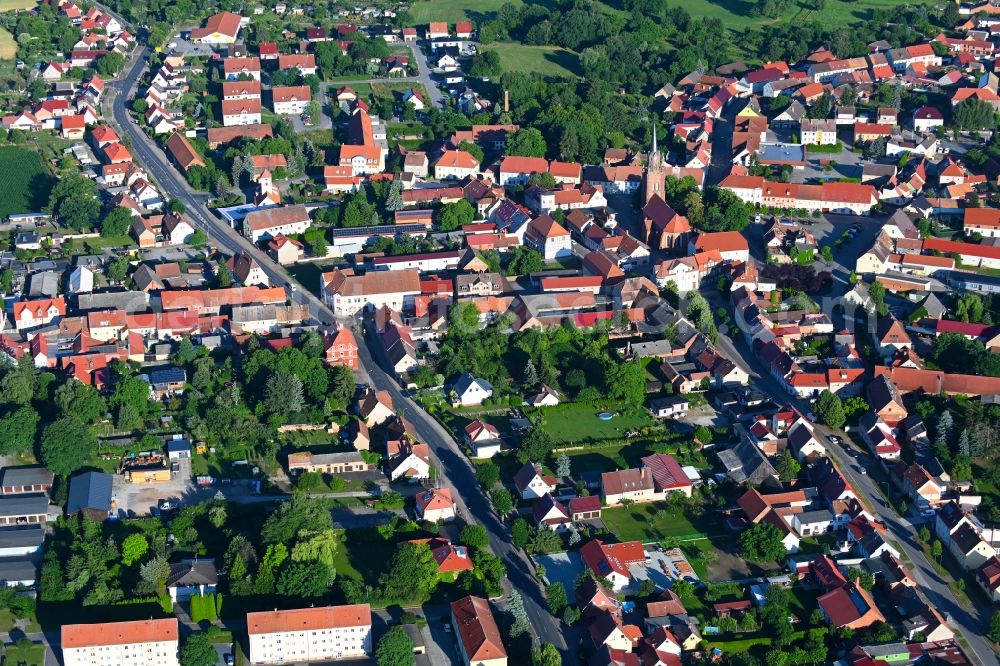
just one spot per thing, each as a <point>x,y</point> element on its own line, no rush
<point>395,91</point>
<point>735,643</point>
<point>578,423</point>
<point>738,13</point>
<point>604,458</point>
<point>655,521</point>
<point>32,654</point>
<point>26,183</point>
<point>10,5</point>
<point>455,10</point>
<point>545,60</point>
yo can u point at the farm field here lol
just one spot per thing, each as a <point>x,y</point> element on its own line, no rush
<point>545,60</point>
<point>26,182</point>
<point>455,10</point>
<point>11,5</point>
<point>738,13</point>
<point>8,47</point>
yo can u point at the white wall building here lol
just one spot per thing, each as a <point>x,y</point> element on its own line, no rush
<point>141,643</point>
<point>310,634</point>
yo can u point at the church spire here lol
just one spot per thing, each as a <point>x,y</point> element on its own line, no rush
<point>654,138</point>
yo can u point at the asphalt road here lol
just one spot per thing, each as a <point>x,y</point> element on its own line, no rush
<point>424,77</point>
<point>971,625</point>
<point>458,474</point>
<point>173,186</point>
<point>453,466</point>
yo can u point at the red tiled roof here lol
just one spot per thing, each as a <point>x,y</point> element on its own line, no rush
<point>118,633</point>
<point>309,619</point>
<point>477,629</point>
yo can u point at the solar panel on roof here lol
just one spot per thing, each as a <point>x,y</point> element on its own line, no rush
<point>380,230</point>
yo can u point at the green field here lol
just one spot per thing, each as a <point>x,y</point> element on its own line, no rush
<point>26,652</point>
<point>738,14</point>
<point>10,5</point>
<point>8,47</point>
<point>656,521</point>
<point>26,182</point>
<point>735,13</point>
<point>545,60</point>
<point>453,11</point>
<point>578,422</point>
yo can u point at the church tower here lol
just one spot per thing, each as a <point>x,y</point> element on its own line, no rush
<point>655,175</point>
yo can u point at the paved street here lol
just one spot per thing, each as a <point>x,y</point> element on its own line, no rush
<point>453,466</point>
<point>458,474</point>
<point>424,77</point>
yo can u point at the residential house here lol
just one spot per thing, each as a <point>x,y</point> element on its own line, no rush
<point>532,483</point>
<point>348,294</point>
<point>468,391</point>
<point>550,238</point>
<point>435,504</point>
<point>219,29</point>
<point>455,164</point>
<point>612,561</point>
<point>290,100</point>
<point>190,578</point>
<point>479,637</point>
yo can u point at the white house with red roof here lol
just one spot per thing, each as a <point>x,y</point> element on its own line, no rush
<point>549,237</point>
<point>484,438</point>
<point>612,561</point>
<point>31,314</point>
<point>435,504</point>
<point>731,245</point>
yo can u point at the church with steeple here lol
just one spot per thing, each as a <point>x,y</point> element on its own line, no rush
<point>655,177</point>
<point>663,227</point>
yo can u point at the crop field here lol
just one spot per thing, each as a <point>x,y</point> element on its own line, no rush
<point>8,47</point>
<point>739,13</point>
<point>26,182</point>
<point>735,13</point>
<point>11,5</point>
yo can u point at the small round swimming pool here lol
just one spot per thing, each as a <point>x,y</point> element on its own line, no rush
<point>605,416</point>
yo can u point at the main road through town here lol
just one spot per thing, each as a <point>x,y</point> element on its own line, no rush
<point>454,468</point>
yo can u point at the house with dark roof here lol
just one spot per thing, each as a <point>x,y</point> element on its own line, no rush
<point>25,480</point>
<point>747,463</point>
<point>188,578</point>
<point>167,381</point>
<point>90,494</point>
<point>21,540</point>
<point>532,483</point>
<point>551,513</point>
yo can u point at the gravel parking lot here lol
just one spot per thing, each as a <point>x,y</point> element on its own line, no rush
<point>143,499</point>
